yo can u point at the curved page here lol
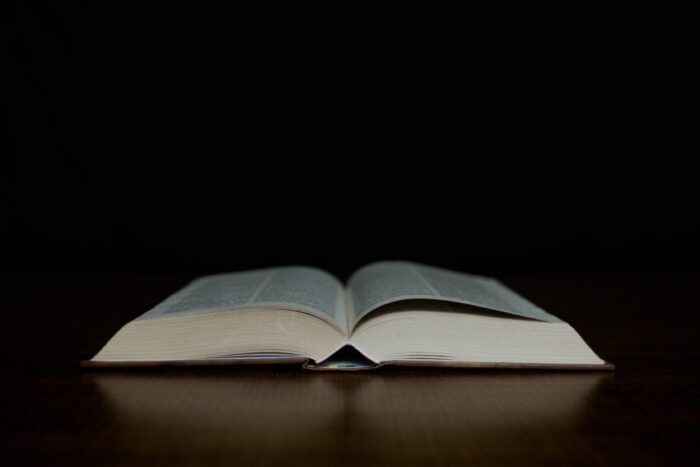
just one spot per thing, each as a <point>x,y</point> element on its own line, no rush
<point>386,282</point>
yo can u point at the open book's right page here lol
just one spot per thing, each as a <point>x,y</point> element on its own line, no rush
<point>385,282</point>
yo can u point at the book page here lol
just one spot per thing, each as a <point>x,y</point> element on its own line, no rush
<point>385,282</point>
<point>294,287</point>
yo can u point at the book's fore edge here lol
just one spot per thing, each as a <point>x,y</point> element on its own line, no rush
<point>308,364</point>
<point>605,366</point>
<point>195,362</point>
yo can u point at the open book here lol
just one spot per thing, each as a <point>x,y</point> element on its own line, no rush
<point>388,313</point>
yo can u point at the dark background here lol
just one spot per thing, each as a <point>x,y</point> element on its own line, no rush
<point>500,140</point>
<point>550,145</point>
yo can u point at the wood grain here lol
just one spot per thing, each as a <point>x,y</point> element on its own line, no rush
<point>643,413</point>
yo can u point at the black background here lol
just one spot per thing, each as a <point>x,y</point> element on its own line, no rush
<point>550,145</point>
<point>500,140</point>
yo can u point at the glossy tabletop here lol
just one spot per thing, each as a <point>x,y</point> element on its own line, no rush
<point>643,413</point>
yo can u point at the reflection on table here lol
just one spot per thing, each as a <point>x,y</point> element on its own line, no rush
<point>258,415</point>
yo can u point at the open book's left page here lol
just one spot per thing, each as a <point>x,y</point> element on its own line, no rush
<point>297,288</point>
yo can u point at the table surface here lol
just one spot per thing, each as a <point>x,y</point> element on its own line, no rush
<point>643,413</point>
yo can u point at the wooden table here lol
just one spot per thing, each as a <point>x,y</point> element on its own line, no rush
<point>644,413</point>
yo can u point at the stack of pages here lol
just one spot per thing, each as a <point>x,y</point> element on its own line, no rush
<point>397,313</point>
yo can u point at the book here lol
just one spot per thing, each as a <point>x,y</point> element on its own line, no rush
<point>388,313</point>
